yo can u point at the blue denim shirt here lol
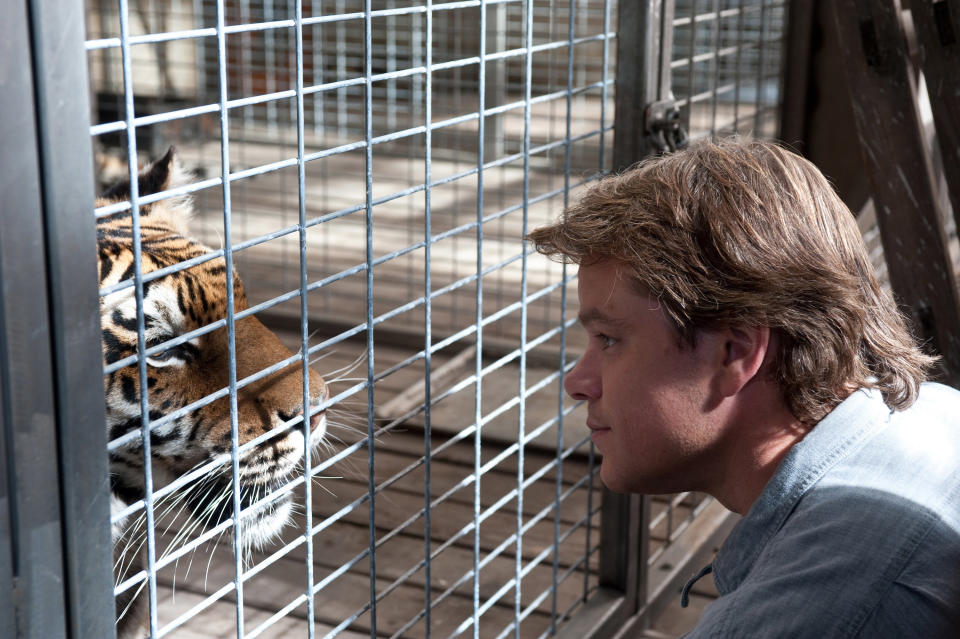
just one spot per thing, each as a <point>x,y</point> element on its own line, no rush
<point>857,534</point>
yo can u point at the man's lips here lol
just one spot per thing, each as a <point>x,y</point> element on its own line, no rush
<point>597,427</point>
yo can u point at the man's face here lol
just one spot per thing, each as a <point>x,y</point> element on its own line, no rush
<point>647,395</point>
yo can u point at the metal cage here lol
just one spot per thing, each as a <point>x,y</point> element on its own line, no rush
<point>370,168</point>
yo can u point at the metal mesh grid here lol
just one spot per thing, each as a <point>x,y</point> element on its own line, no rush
<point>370,169</point>
<point>726,65</point>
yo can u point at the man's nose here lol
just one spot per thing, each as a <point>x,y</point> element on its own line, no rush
<point>582,383</point>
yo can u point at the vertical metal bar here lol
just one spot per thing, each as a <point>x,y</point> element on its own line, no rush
<point>624,521</point>
<point>391,65</point>
<point>591,460</point>
<point>428,308</point>
<point>604,91</point>
<point>128,90</point>
<point>246,64</point>
<point>231,321</point>
<point>416,48</point>
<point>588,547</point>
<point>737,75</point>
<point>558,485</point>
<point>796,71</point>
<point>522,408</point>
<point>341,72</point>
<point>8,609</point>
<point>637,77</point>
<point>200,46</point>
<point>291,56</point>
<point>495,38</point>
<point>761,51</point>
<point>304,317</point>
<point>316,45</point>
<point>62,107</point>
<point>669,521</point>
<point>622,532</point>
<point>270,64</point>
<point>691,70</point>
<point>478,364</point>
<point>368,164</point>
<point>716,70</point>
<point>780,44</point>
<point>30,533</point>
<point>664,50</point>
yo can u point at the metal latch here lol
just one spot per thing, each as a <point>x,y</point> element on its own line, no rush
<point>661,122</point>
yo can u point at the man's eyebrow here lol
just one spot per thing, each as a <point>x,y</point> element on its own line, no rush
<point>596,316</point>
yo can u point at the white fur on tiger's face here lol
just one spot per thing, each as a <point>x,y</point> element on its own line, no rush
<point>198,441</point>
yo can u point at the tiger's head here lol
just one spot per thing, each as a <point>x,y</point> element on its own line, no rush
<point>183,372</point>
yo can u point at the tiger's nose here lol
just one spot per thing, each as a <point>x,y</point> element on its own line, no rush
<point>316,419</point>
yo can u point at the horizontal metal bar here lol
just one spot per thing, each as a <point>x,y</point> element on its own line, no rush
<point>293,359</point>
<point>156,38</point>
<point>196,610</point>
<point>710,55</point>
<point>181,266</point>
<point>450,541</point>
<point>179,114</point>
<point>277,616</point>
<point>263,169</point>
<point>187,189</point>
<point>498,551</point>
<point>713,15</point>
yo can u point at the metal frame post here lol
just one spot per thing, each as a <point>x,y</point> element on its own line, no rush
<point>644,43</point>
<point>54,519</point>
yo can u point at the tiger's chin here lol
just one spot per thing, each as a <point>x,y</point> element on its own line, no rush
<point>262,525</point>
<point>265,509</point>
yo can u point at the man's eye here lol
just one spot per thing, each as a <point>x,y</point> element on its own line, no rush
<point>606,341</point>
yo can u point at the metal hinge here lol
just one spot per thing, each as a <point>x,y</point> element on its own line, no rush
<point>661,122</point>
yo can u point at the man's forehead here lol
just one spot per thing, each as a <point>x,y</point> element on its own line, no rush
<point>595,315</point>
<point>609,294</point>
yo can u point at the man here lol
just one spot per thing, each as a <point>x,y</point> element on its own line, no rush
<point>740,345</point>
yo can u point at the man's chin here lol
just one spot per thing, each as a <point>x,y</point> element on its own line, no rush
<point>644,484</point>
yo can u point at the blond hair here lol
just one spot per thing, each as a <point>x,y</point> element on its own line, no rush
<point>746,233</point>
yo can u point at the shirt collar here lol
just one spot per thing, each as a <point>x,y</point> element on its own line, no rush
<point>842,431</point>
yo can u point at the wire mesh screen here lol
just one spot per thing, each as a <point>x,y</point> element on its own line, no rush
<point>726,65</point>
<point>369,170</point>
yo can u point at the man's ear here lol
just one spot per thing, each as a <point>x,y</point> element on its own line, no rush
<point>745,350</point>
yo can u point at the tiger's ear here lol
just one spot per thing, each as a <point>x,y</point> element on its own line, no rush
<point>161,175</point>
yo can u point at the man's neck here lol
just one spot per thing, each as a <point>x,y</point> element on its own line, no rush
<point>759,440</point>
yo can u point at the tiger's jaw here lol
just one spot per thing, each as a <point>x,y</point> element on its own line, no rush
<point>265,495</point>
<point>264,509</point>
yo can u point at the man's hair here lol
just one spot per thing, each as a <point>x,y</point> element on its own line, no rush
<point>745,233</point>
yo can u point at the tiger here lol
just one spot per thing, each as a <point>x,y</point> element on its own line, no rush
<point>182,374</point>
